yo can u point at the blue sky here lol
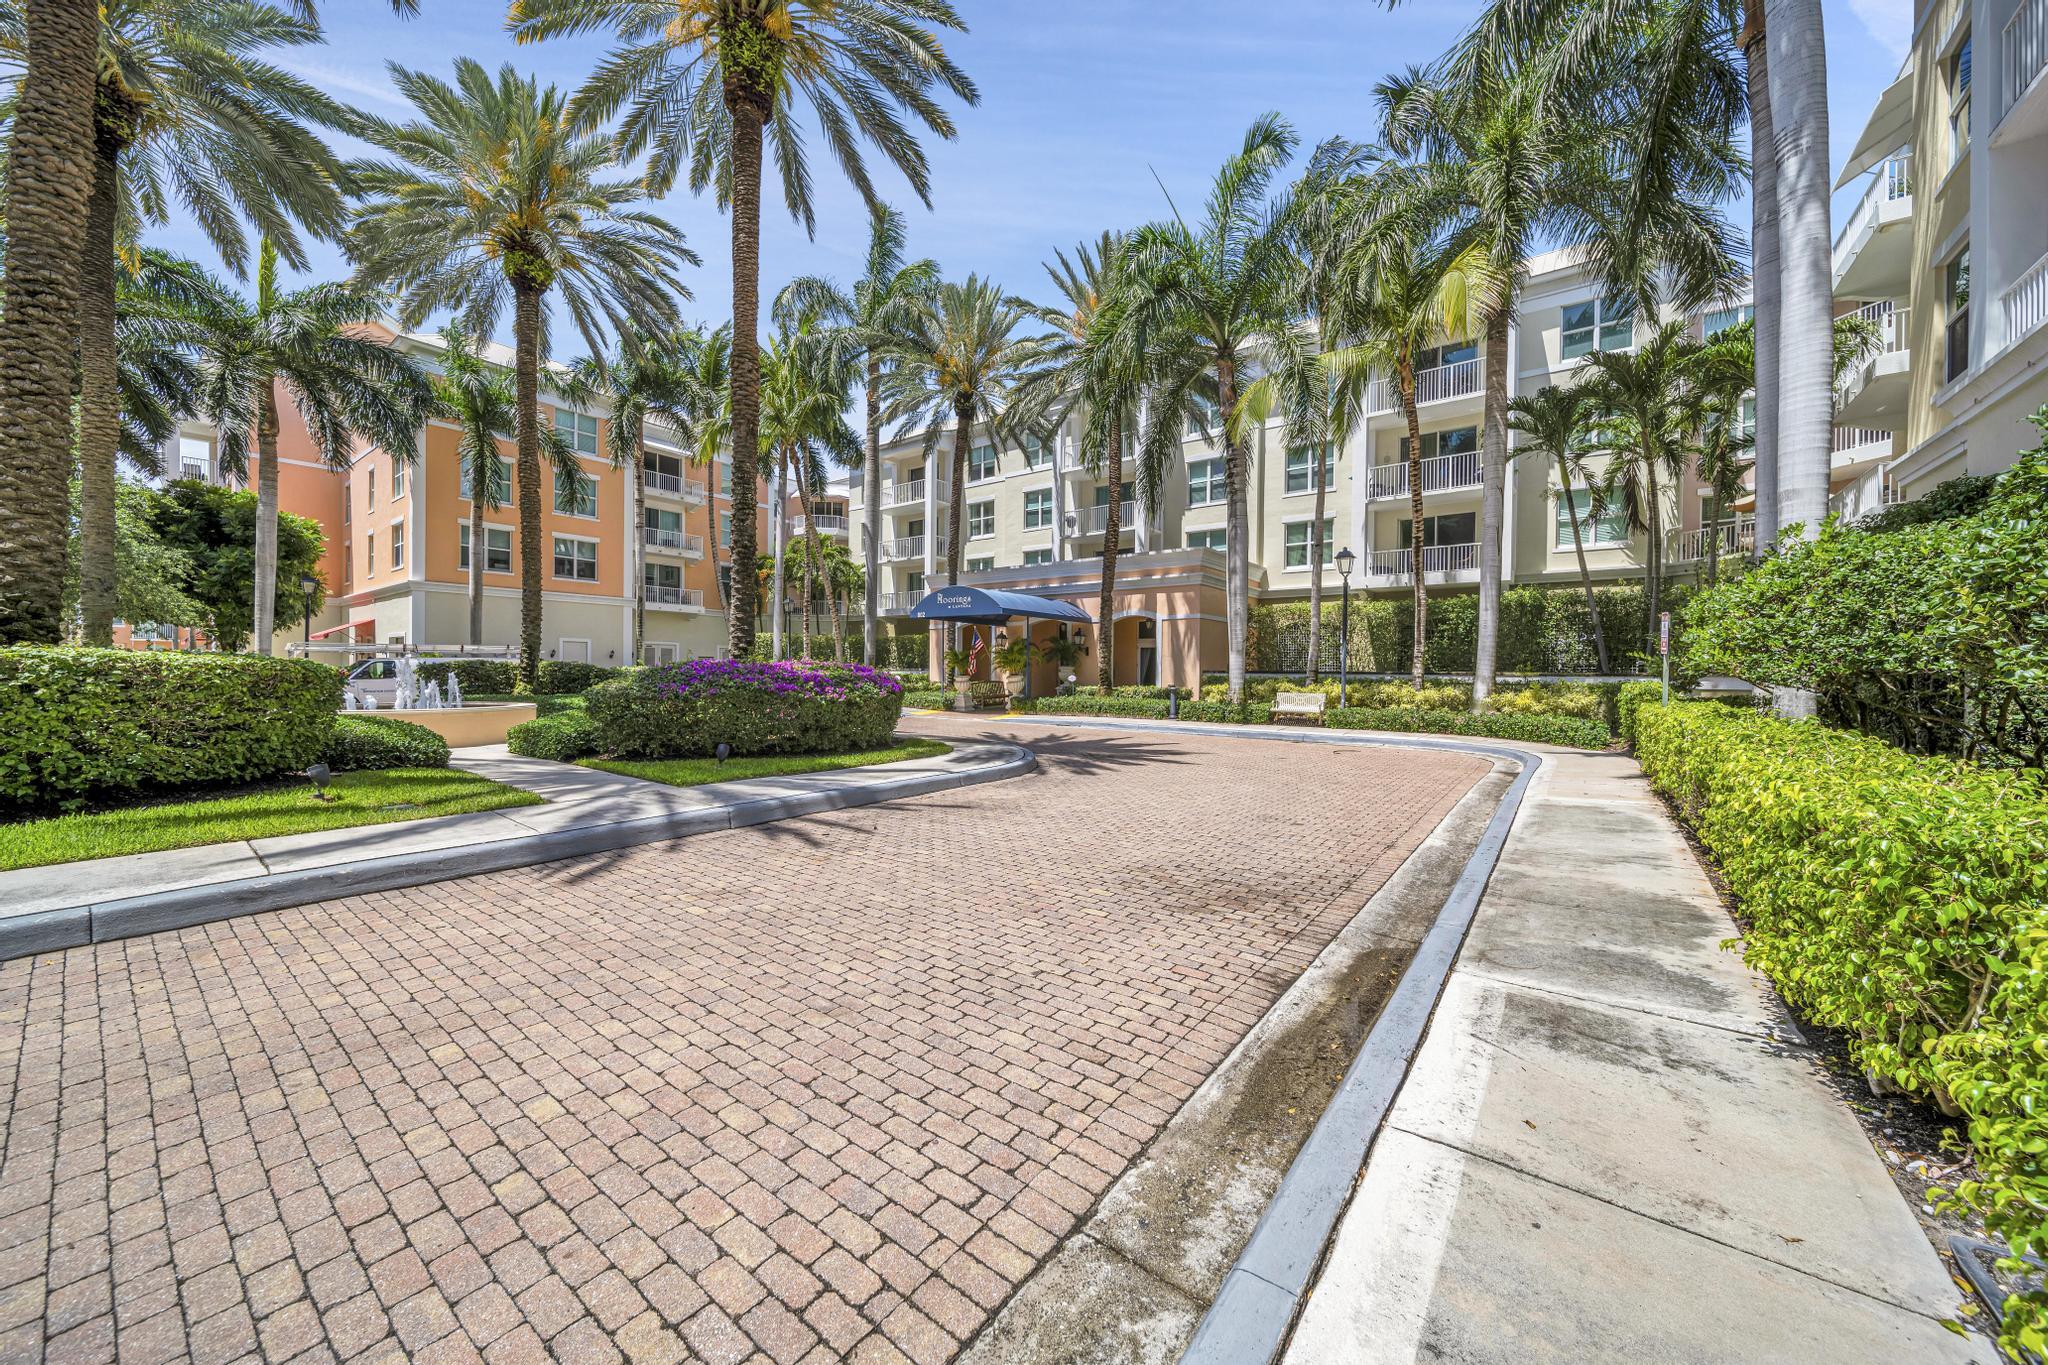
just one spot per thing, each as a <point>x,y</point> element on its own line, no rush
<point>1083,103</point>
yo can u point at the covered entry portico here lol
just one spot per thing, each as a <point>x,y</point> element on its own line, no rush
<point>993,609</point>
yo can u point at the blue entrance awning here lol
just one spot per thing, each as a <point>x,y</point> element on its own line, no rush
<point>991,607</point>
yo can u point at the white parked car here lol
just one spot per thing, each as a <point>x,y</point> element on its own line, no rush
<point>374,680</point>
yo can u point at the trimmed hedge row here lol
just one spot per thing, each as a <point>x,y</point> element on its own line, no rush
<point>1145,708</point>
<point>1574,731</point>
<point>85,724</point>
<point>364,742</point>
<point>686,710</point>
<point>1903,900</point>
<point>1634,696</point>
<point>563,738</point>
<point>500,677</point>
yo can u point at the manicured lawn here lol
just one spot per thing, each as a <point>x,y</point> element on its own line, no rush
<point>691,772</point>
<point>545,706</point>
<point>365,798</point>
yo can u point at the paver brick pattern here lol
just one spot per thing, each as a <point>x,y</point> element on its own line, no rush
<point>817,1090</point>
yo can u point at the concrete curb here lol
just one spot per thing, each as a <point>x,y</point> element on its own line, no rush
<point>1250,1318</point>
<point>125,917</point>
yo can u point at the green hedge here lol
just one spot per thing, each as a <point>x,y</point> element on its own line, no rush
<point>686,710</point>
<point>1575,731</point>
<point>85,724</point>
<point>363,742</point>
<point>1633,697</point>
<point>925,699</point>
<point>563,738</point>
<point>1587,701</point>
<point>1144,708</point>
<point>500,677</point>
<point>1903,900</point>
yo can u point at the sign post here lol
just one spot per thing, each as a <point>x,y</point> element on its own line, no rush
<point>1664,651</point>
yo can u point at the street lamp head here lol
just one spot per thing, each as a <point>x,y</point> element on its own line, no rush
<point>308,584</point>
<point>1345,559</point>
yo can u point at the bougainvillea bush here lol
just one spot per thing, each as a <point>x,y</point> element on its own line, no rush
<point>685,710</point>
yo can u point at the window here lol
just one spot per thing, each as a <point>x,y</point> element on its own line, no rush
<point>725,528</point>
<point>1719,320</point>
<point>1037,509</point>
<point>1603,324</point>
<point>370,488</point>
<point>497,549</point>
<point>1610,529</point>
<point>981,520</point>
<point>397,544</point>
<point>578,430</point>
<point>1452,528</point>
<point>576,558</point>
<point>1297,542</point>
<point>982,565</point>
<point>397,478</point>
<point>1213,539</point>
<point>347,504</point>
<point>660,575</point>
<point>1207,482</point>
<point>575,493</point>
<point>1956,290</point>
<point>1037,453</point>
<point>1959,103</point>
<point>1301,469</point>
<point>500,491</point>
<point>913,582</point>
<point>725,477</point>
<point>981,463</point>
<point>1202,417</point>
<point>195,457</point>
<point>1456,441</point>
<point>370,554</point>
<point>1032,557</point>
<point>1450,353</point>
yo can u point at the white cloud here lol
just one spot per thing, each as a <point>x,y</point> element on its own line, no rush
<point>1889,21</point>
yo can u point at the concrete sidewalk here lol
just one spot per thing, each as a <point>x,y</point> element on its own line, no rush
<point>1612,1146</point>
<point>43,909</point>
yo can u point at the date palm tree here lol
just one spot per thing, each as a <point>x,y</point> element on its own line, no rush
<point>1228,286</point>
<point>804,385</point>
<point>490,197</point>
<point>867,320</point>
<point>1557,422</point>
<point>706,81</point>
<point>959,360</point>
<point>318,345</point>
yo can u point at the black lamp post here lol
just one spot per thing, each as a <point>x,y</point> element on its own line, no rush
<point>308,585</point>
<point>1345,559</point>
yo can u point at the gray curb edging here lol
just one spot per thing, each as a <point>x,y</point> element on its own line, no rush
<point>103,921</point>
<point>1250,1318</point>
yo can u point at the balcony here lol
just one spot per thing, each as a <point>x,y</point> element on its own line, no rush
<point>1440,564</point>
<point>1440,474</point>
<point>909,494</point>
<point>1856,450</point>
<point>673,542</point>
<point>1873,392</point>
<point>1690,547</point>
<point>673,486</point>
<point>674,599</point>
<point>2023,75</point>
<point>1093,521</point>
<point>1441,384</point>
<point>824,525</point>
<point>911,547</point>
<point>899,603</point>
<point>1874,254</point>
<point>2025,303</point>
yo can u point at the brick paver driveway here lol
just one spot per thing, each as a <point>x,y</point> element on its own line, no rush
<point>820,1089</point>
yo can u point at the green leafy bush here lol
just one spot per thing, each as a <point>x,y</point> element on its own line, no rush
<point>90,723</point>
<point>1575,731</point>
<point>1901,899</point>
<point>1634,696</point>
<point>1146,708</point>
<point>564,678</point>
<point>685,710</point>
<point>1959,497</point>
<point>925,699</point>
<point>363,742</point>
<point>564,738</point>
<point>1585,701</point>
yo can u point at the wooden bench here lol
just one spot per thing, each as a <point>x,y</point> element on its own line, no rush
<point>1304,707</point>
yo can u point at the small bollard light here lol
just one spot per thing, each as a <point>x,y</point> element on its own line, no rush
<point>321,774</point>
<point>1173,703</point>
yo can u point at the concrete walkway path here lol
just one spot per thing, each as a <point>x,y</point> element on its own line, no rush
<point>1612,1144</point>
<point>66,905</point>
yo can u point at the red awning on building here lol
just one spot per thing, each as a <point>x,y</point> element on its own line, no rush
<point>370,623</point>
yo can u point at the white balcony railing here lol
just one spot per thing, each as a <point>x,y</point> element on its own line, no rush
<point>1093,521</point>
<point>1440,564</point>
<point>911,547</point>
<point>1457,380</point>
<point>2024,49</point>
<point>1892,185</point>
<point>1891,325</point>
<point>826,525</point>
<point>674,486</point>
<point>673,542</point>
<point>1440,474</point>
<point>1849,438</point>
<point>1688,547</point>
<point>899,603</point>
<point>677,599</point>
<point>2026,301</point>
<point>904,494</point>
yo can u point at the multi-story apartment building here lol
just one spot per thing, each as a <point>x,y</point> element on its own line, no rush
<point>1947,250</point>
<point>1033,518</point>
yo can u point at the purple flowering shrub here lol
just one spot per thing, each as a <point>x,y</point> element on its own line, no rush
<point>684,710</point>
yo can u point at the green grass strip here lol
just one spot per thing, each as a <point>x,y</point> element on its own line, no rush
<point>692,772</point>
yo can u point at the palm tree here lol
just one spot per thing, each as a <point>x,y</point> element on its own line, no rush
<point>1557,420</point>
<point>959,358</point>
<point>706,80</point>
<point>347,383</point>
<point>492,198</point>
<point>1228,287</point>
<point>803,421</point>
<point>868,321</point>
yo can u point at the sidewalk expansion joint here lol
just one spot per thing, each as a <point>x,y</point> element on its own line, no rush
<point>1796,1039</point>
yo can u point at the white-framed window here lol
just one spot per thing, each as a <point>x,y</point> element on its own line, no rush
<point>1033,557</point>
<point>656,574</point>
<point>369,554</point>
<point>1301,469</point>
<point>1037,508</point>
<point>500,491</point>
<point>1598,324</point>
<point>981,520</point>
<point>659,652</point>
<point>1608,530</point>
<point>347,503</point>
<point>1450,353</point>
<point>1719,320</point>
<point>370,488</point>
<point>1215,538</point>
<point>1203,417</point>
<point>981,565</point>
<point>1959,102</point>
<point>913,582</point>
<point>575,493</point>
<point>578,429</point>
<point>981,463</point>
<point>725,477</point>
<point>397,544</point>
<point>1448,528</point>
<point>497,548</point>
<point>574,651</point>
<point>576,557</point>
<point>1456,441</point>
<point>725,528</point>
<point>397,478</point>
<point>1297,542</point>
<point>1207,482</point>
<point>1037,453</point>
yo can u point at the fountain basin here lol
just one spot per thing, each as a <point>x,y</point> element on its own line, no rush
<point>471,723</point>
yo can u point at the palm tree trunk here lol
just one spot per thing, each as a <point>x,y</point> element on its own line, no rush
<point>263,608</point>
<point>1416,559</point>
<point>478,490</point>
<point>835,599</point>
<point>963,432</point>
<point>1564,477</point>
<point>815,561</point>
<point>50,161</point>
<point>1805,367</point>
<point>1236,550</point>
<point>1493,474</point>
<point>1315,575</point>
<point>1105,605</point>
<point>775,624</point>
<point>1713,538</point>
<point>871,514</point>
<point>749,110</point>
<point>99,404</point>
<point>639,534</point>
<point>526,376</point>
<point>1763,207</point>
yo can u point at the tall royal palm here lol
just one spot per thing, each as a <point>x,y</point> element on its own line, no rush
<point>959,362</point>
<point>1229,286</point>
<point>349,386</point>
<point>804,383</point>
<point>1556,423</point>
<point>704,81</point>
<point>491,197</point>
<point>868,320</point>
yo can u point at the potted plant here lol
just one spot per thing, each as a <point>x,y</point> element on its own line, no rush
<point>1064,651</point>
<point>960,663</point>
<point>1013,658</point>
